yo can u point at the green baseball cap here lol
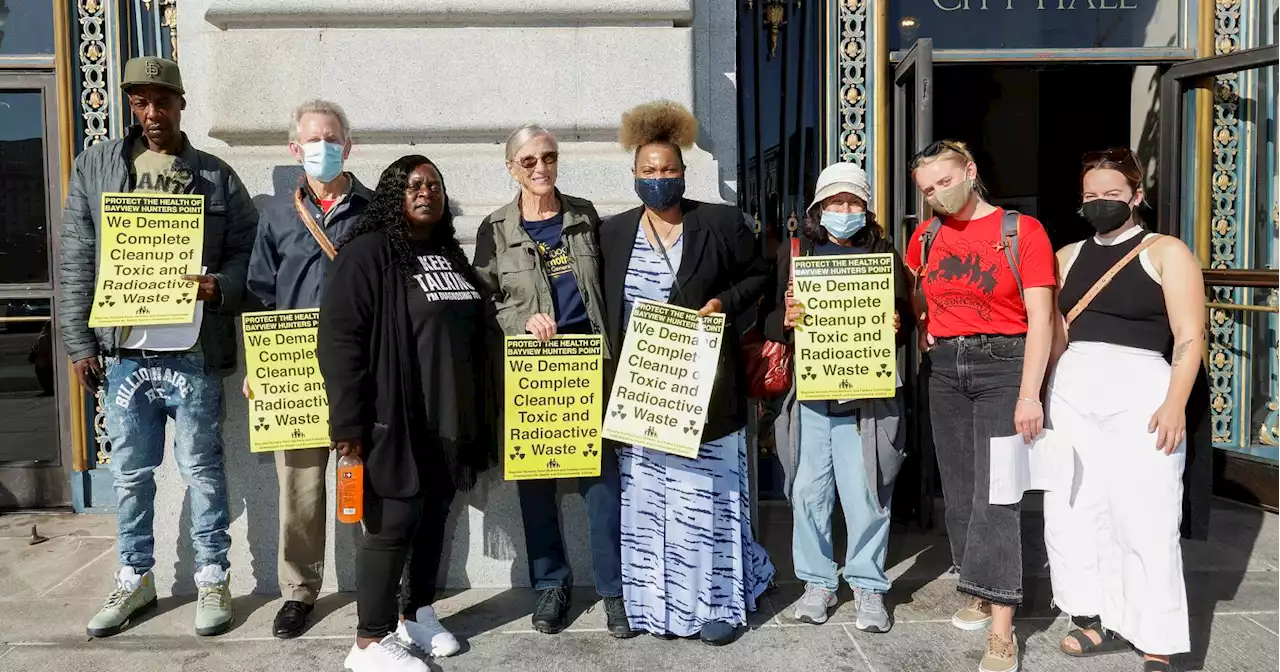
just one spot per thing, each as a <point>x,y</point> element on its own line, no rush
<point>152,70</point>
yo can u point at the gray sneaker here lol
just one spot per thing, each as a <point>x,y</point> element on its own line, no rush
<point>213,604</point>
<point>872,616</point>
<point>134,595</point>
<point>813,606</point>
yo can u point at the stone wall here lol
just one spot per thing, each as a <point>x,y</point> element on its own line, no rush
<point>449,79</point>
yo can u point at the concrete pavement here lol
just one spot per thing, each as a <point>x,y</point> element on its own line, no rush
<point>48,592</point>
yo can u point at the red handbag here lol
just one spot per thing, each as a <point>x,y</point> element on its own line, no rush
<point>768,363</point>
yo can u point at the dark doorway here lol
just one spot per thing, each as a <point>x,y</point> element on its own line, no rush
<point>1028,127</point>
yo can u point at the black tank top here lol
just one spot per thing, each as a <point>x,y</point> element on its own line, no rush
<point>1130,311</point>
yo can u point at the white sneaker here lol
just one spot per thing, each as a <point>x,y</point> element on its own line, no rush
<point>389,655</point>
<point>429,635</point>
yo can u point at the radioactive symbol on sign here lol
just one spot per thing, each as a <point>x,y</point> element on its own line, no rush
<point>809,374</point>
<point>106,301</point>
<point>618,413</point>
<point>692,427</point>
<point>183,298</point>
<point>591,450</point>
<point>262,425</point>
<point>884,370</point>
<point>515,453</point>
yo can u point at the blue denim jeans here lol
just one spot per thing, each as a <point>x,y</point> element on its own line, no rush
<point>973,388</point>
<point>540,510</point>
<point>831,460</point>
<point>142,393</point>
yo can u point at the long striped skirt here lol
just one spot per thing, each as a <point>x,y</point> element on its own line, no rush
<point>688,554</point>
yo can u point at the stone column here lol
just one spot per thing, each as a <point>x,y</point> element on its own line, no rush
<point>448,79</point>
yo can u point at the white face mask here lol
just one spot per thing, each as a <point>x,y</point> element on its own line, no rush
<point>322,160</point>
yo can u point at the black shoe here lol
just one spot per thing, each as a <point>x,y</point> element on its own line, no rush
<point>551,614</point>
<point>615,616</point>
<point>718,633</point>
<point>291,620</point>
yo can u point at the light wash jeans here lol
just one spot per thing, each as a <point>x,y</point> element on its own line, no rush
<point>142,393</point>
<point>830,459</point>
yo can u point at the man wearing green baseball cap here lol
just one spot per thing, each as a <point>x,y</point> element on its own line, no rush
<point>152,373</point>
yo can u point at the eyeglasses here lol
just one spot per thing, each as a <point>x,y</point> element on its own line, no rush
<point>414,186</point>
<point>1116,155</point>
<point>531,162</point>
<point>934,149</point>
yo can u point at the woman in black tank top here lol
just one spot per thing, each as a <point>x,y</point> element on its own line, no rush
<point>1127,297</point>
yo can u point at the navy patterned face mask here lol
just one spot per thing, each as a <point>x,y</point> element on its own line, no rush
<point>660,193</point>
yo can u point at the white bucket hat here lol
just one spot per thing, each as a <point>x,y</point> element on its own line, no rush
<point>842,178</point>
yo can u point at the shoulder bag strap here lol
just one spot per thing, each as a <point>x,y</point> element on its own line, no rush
<point>662,250</point>
<point>1012,253</point>
<point>313,227</point>
<point>1107,277</point>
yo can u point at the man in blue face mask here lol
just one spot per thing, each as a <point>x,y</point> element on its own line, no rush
<point>288,270</point>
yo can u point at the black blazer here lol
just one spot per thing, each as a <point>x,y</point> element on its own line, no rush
<point>720,261</point>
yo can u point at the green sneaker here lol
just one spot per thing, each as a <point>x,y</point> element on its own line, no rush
<point>134,594</point>
<point>213,605</point>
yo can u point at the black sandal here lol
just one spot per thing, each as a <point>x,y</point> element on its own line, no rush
<point>1156,666</point>
<point>1111,642</point>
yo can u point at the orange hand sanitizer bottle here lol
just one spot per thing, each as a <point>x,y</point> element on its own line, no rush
<point>350,489</point>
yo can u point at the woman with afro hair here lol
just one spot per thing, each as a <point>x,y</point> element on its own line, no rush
<point>690,565</point>
<point>401,347</point>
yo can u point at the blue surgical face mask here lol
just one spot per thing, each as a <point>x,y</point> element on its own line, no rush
<point>322,160</point>
<point>661,193</point>
<point>843,225</point>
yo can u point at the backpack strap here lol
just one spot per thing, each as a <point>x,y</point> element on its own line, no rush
<point>926,241</point>
<point>1009,240</point>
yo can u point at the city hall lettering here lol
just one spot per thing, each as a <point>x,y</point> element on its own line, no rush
<point>965,5</point>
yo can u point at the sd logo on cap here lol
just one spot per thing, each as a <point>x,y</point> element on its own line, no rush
<point>153,71</point>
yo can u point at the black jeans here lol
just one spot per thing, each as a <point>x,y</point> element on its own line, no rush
<point>602,496</point>
<point>973,389</point>
<point>403,540</point>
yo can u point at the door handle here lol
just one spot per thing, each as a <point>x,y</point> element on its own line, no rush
<point>1242,306</point>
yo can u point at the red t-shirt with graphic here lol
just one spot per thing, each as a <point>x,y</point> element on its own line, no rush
<point>968,286</point>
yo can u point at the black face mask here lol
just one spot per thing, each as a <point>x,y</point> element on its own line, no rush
<point>1106,216</point>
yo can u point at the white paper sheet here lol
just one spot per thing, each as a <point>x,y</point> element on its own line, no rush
<point>1048,463</point>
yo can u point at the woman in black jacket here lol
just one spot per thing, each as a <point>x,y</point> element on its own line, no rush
<point>690,566</point>
<point>401,347</point>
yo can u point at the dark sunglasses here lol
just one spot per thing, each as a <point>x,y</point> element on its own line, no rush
<point>531,162</point>
<point>934,149</point>
<point>1116,155</point>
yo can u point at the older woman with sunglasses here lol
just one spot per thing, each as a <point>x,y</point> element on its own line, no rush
<point>539,259</point>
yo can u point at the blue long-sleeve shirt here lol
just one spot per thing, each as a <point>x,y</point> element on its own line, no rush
<point>288,270</point>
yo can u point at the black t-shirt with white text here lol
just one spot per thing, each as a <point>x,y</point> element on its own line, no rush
<point>446,317</point>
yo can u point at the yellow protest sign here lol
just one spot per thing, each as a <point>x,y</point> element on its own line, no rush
<point>554,396</point>
<point>146,243</point>
<point>845,346</point>
<point>289,407</point>
<point>664,379</point>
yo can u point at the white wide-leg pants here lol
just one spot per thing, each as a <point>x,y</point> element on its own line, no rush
<point>1113,541</point>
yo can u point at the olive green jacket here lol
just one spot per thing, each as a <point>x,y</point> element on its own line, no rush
<point>511,269</point>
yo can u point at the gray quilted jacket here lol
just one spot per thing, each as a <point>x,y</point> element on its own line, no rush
<point>230,225</point>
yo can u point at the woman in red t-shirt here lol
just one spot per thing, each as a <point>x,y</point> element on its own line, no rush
<point>986,323</point>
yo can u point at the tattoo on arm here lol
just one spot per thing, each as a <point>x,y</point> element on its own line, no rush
<point>1180,350</point>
